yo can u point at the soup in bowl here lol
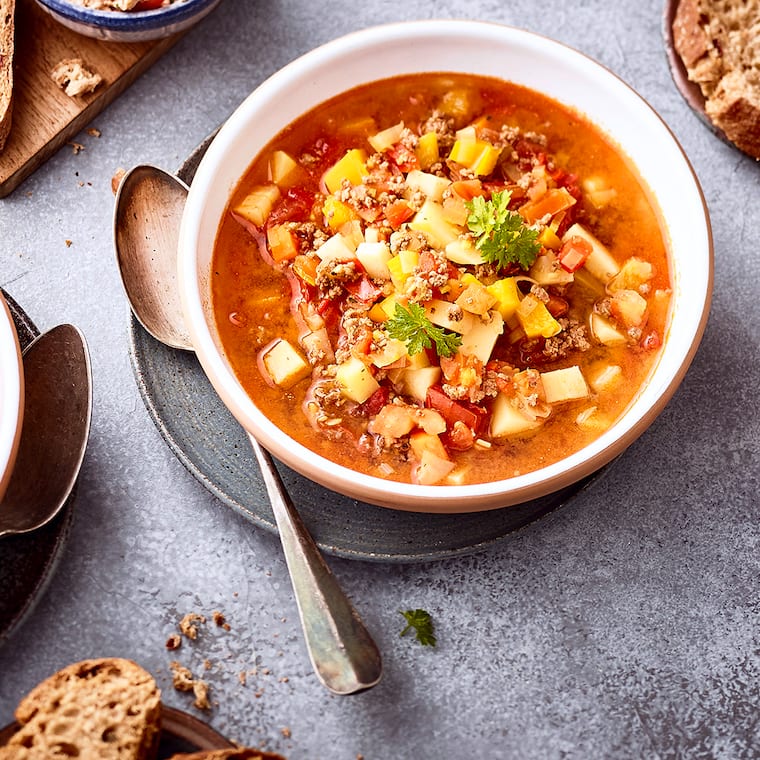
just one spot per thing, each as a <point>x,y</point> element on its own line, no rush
<point>427,272</point>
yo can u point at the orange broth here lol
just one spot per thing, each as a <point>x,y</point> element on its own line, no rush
<point>540,146</point>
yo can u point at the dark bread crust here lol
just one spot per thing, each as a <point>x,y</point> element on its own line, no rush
<point>229,754</point>
<point>717,40</point>
<point>7,33</point>
<point>107,709</point>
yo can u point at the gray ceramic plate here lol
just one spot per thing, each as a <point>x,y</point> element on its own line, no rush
<point>211,444</point>
<point>27,562</point>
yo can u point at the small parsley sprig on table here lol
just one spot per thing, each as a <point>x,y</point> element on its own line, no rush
<point>501,236</point>
<point>422,624</point>
<point>414,328</point>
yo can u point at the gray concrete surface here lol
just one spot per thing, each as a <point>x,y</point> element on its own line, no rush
<point>623,627</point>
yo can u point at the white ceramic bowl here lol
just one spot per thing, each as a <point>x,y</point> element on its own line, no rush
<point>129,26</point>
<point>480,48</point>
<point>11,395</point>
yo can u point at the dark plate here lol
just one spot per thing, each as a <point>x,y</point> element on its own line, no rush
<point>27,562</point>
<point>691,91</point>
<point>207,439</point>
<point>180,732</point>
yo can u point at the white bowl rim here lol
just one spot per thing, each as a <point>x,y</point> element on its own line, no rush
<point>11,394</point>
<point>651,400</point>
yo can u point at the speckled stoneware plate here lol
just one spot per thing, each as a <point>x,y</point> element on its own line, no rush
<point>27,561</point>
<point>211,444</point>
<point>180,732</point>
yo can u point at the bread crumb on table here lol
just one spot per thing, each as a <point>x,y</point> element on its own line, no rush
<point>188,625</point>
<point>182,677</point>
<point>174,642</point>
<point>118,175</point>
<point>74,78</point>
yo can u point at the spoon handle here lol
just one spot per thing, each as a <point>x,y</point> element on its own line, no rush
<point>342,651</point>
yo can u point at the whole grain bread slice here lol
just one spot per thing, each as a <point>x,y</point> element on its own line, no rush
<point>104,709</point>
<point>719,44</point>
<point>7,15</point>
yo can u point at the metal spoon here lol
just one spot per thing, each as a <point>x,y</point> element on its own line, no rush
<point>149,205</point>
<point>57,412</point>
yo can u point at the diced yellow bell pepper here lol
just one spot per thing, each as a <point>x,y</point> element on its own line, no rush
<point>427,150</point>
<point>535,318</point>
<point>351,167</point>
<point>477,155</point>
<point>548,239</point>
<point>337,213</point>
<point>506,294</point>
<point>401,266</point>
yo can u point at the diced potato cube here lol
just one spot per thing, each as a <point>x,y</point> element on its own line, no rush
<point>546,270</point>
<point>476,299</point>
<point>283,364</point>
<point>374,257</point>
<point>598,191</point>
<point>336,248</point>
<point>566,384</point>
<point>258,204</point>
<point>427,150</point>
<point>431,220</point>
<point>535,318</point>
<point>351,167</point>
<point>633,274</point>
<point>455,210</point>
<point>391,352</point>
<point>507,420</point>
<point>600,262</point>
<point>432,469</point>
<point>318,348</point>
<point>603,376</point>
<point>420,441</point>
<point>449,316</point>
<point>283,243</point>
<point>392,421</point>
<point>431,185</point>
<point>629,308</point>
<point>355,380</point>
<point>284,171</point>
<point>605,332</point>
<point>401,266</point>
<point>481,339</point>
<point>462,251</point>
<point>386,138</point>
<point>415,382</point>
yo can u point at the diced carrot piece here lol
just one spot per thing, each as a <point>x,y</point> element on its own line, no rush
<point>283,243</point>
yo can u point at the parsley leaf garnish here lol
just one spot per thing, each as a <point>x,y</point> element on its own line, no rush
<point>420,621</point>
<point>414,328</point>
<point>501,235</point>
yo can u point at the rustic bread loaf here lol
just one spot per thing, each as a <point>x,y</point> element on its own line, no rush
<point>229,754</point>
<point>7,12</point>
<point>719,44</point>
<point>106,709</point>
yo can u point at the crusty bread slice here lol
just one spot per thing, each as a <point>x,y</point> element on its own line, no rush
<point>719,44</point>
<point>7,14</point>
<point>241,753</point>
<point>106,709</point>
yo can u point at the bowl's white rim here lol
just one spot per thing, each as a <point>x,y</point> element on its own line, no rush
<point>11,394</point>
<point>450,497</point>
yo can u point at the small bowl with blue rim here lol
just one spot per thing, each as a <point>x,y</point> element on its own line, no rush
<point>145,19</point>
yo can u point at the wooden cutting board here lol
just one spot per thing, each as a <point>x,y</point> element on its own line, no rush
<point>44,117</point>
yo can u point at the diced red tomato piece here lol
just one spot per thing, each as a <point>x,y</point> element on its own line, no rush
<point>474,417</point>
<point>296,206</point>
<point>404,157</point>
<point>148,5</point>
<point>397,213</point>
<point>458,437</point>
<point>573,254</point>
<point>364,289</point>
<point>373,404</point>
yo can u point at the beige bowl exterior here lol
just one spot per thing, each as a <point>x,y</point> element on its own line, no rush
<point>481,48</point>
<point>11,395</point>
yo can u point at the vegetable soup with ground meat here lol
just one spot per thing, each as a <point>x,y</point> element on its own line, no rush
<point>441,279</point>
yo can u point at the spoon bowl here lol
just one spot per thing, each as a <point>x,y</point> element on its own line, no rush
<point>57,414</point>
<point>149,206</point>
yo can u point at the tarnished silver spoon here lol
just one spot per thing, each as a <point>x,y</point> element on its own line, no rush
<point>57,413</point>
<point>149,205</point>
